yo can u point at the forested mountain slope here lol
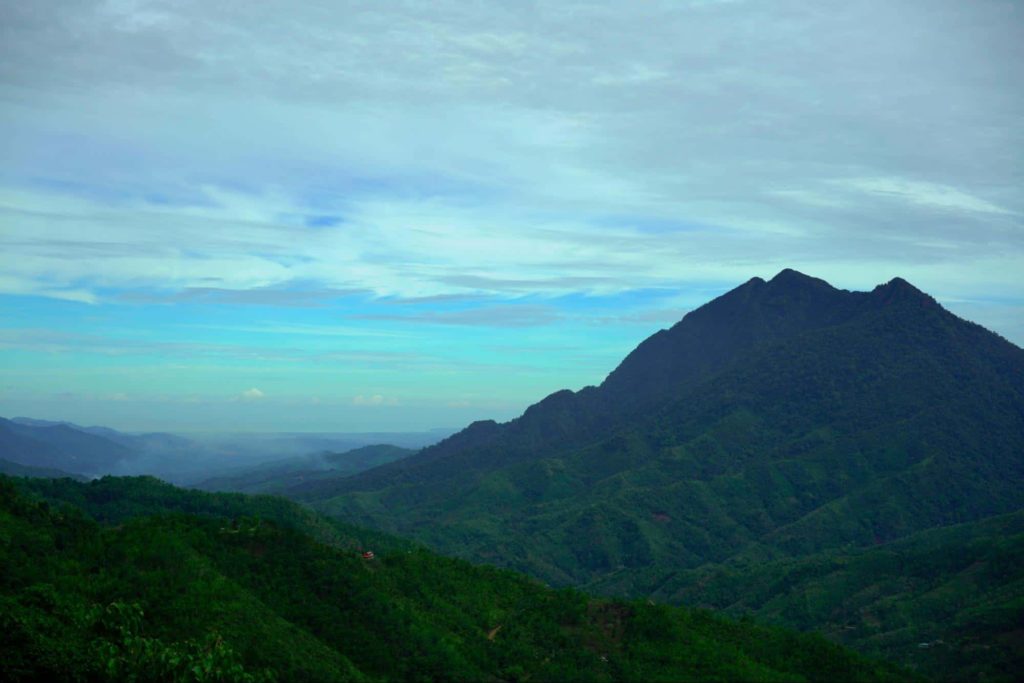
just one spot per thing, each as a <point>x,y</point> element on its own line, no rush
<point>848,418</point>
<point>132,579</point>
<point>783,420</point>
<point>948,601</point>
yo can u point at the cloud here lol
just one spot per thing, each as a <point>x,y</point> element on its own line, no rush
<point>569,283</point>
<point>418,154</point>
<point>32,287</point>
<point>923,193</point>
<point>374,400</point>
<point>490,316</point>
<point>253,394</point>
<point>259,296</point>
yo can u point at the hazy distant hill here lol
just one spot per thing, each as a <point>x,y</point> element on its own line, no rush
<point>95,450</point>
<point>304,474</point>
<point>782,420</point>
<point>13,469</point>
<point>59,446</point>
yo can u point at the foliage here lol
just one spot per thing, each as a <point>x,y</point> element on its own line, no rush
<point>162,594</point>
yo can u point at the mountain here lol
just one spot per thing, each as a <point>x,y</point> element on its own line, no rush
<point>783,420</point>
<point>148,444</point>
<point>218,457</point>
<point>305,473</point>
<point>133,579</point>
<point>60,446</point>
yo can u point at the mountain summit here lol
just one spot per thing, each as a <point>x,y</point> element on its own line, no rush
<point>733,329</point>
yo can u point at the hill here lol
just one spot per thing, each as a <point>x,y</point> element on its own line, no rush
<point>16,470</point>
<point>185,585</point>
<point>59,446</point>
<point>783,420</point>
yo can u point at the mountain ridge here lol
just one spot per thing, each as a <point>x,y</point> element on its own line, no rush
<point>566,418</point>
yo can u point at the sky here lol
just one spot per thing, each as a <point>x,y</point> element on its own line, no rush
<point>344,216</point>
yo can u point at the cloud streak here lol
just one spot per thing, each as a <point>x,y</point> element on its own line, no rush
<point>489,316</point>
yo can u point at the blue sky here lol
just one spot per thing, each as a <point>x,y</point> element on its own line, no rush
<point>340,216</point>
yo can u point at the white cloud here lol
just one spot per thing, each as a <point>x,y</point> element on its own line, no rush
<point>374,400</point>
<point>253,394</point>
<point>923,193</point>
<point>37,287</point>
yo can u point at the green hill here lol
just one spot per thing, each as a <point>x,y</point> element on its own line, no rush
<point>131,579</point>
<point>949,601</point>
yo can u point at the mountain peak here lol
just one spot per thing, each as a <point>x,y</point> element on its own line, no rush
<point>789,278</point>
<point>790,274</point>
<point>898,283</point>
<point>899,290</point>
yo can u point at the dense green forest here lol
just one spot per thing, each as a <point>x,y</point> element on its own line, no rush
<point>132,579</point>
<point>948,601</point>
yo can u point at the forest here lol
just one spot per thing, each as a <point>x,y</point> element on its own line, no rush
<point>125,579</point>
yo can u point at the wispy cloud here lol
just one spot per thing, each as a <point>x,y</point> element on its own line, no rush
<point>932,195</point>
<point>491,316</point>
<point>258,296</point>
<point>374,400</point>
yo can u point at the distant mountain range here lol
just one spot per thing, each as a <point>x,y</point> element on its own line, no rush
<point>785,420</point>
<point>31,447</point>
<point>60,446</point>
